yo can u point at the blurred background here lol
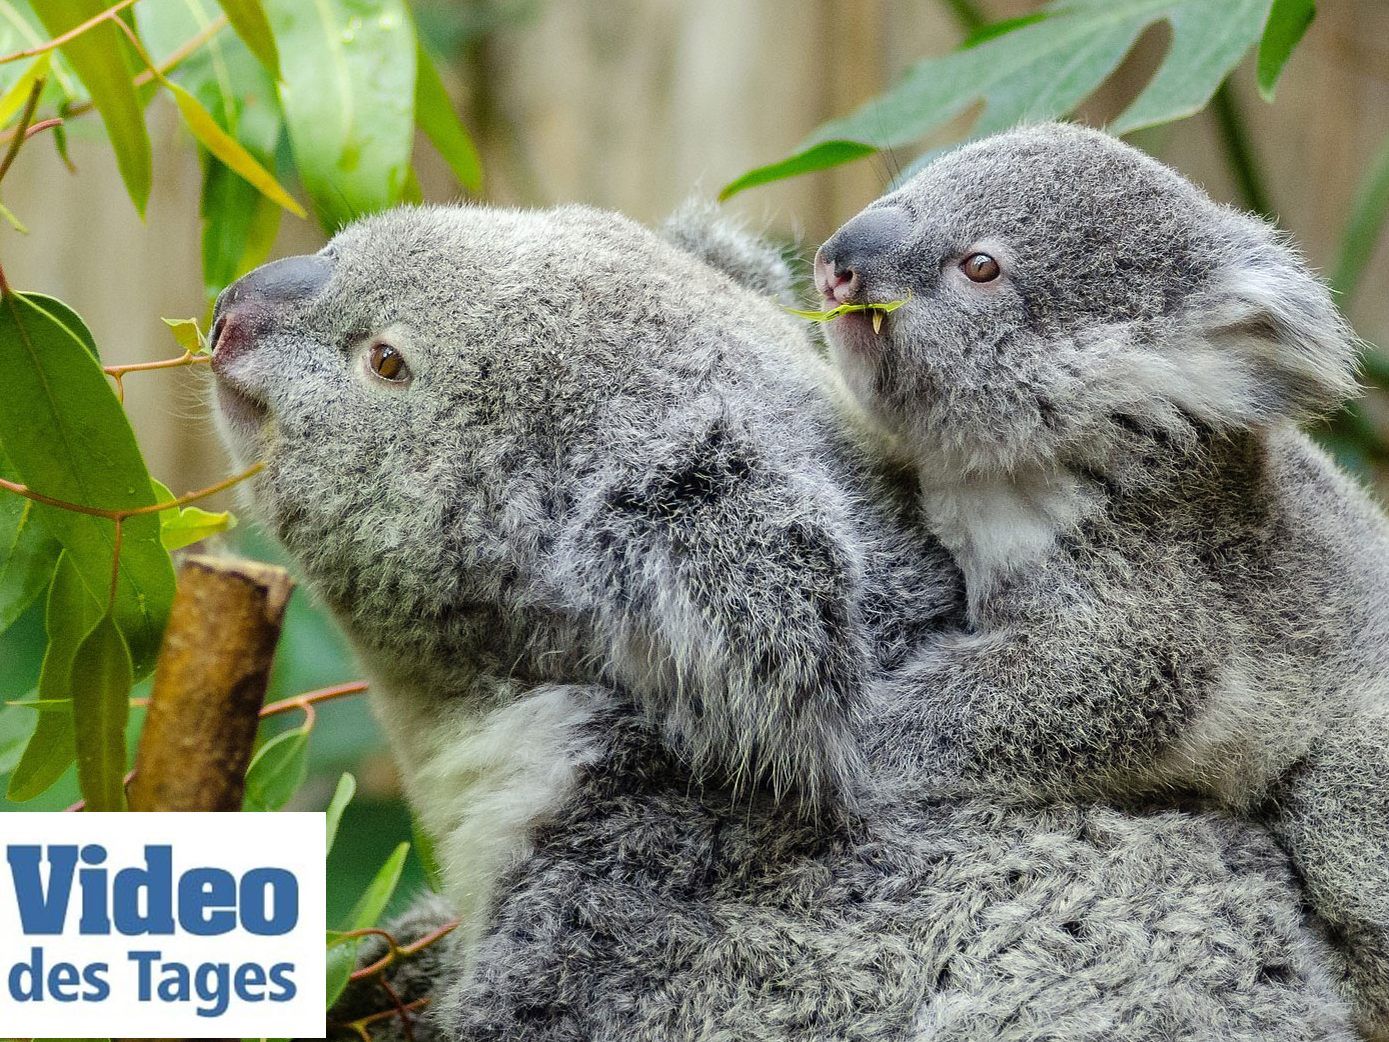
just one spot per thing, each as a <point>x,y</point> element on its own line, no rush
<point>636,105</point>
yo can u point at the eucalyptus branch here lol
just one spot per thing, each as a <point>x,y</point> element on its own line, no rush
<point>359,1027</point>
<point>149,75</point>
<point>123,513</point>
<point>309,699</point>
<point>396,951</point>
<point>21,131</point>
<point>77,30</point>
<point>119,372</point>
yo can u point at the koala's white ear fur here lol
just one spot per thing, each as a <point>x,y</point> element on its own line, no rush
<point>1270,319</point>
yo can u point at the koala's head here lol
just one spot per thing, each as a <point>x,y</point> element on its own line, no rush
<point>423,392</point>
<point>1065,290</point>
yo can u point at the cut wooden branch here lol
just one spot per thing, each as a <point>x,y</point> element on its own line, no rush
<point>209,685</point>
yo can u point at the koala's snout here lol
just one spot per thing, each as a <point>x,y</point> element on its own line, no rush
<point>246,307</point>
<point>857,257</point>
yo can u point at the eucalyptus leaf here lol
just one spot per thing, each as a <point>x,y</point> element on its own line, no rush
<point>1369,214</point>
<point>1288,21</point>
<point>239,223</point>
<point>100,58</point>
<point>435,114</point>
<point>68,437</point>
<point>14,98</point>
<point>20,29</point>
<point>248,19</point>
<point>277,770</point>
<point>67,318</point>
<point>228,150</point>
<point>366,914</point>
<point>184,526</point>
<point>187,334</point>
<point>71,613</point>
<point>1039,70</point>
<point>347,88</point>
<point>28,554</point>
<point>884,308</point>
<point>101,680</point>
<point>16,727</point>
<point>342,796</point>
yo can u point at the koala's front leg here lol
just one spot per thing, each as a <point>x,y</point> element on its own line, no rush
<point>1080,699</point>
<point>723,582</point>
<point>1331,812</point>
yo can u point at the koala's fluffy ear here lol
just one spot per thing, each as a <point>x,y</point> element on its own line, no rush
<point>1276,344</point>
<point>727,586</point>
<point>722,242</point>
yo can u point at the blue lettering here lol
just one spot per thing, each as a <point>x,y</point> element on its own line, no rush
<point>156,880</point>
<point>280,977</point>
<point>62,982</point>
<point>272,888</point>
<point>207,902</point>
<point>145,977</point>
<point>96,917</point>
<point>42,911</point>
<point>250,982</point>
<point>32,971</point>
<point>95,976</point>
<point>212,984</point>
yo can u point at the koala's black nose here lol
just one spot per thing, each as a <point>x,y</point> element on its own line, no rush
<point>246,307</point>
<point>857,255</point>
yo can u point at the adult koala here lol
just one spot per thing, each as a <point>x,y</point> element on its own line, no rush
<point>618,568</point>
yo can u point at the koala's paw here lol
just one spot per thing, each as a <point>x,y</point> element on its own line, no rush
<point>395,1003</point>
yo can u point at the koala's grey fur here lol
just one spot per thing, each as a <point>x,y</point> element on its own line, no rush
<point>1170,587</point>
<point>618,568</point>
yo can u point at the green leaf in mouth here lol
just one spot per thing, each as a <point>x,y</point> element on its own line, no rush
<point>878,309</point>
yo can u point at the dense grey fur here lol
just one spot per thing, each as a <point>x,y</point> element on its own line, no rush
<point>620,483</point>
<point>1170,587</point>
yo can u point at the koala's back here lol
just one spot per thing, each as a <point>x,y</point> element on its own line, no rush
<point>948,921</point>
<point>1255,574</point>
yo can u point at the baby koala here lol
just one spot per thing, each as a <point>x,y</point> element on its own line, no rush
<point>1098,373</point>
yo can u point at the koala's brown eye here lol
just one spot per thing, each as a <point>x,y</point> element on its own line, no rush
<point>387,363</point>
<point>980,267</point>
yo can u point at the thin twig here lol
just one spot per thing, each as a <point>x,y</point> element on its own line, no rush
<point>398,951</point>
<point>121,515</point>
<point>118,372</point>
<point>168,65</point>
<point>360,1026</point>
<point>72,34</point>
<point>21,129</point>
<point>309,699</point>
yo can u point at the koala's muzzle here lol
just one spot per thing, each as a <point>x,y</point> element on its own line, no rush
<point>247,307</point>
<point>858,256</point>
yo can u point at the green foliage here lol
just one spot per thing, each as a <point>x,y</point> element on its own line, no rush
<point>65,433</point>
<point>1288,21</point>
<point>277,770</point>
<point>102,62</point>
<point>1043,66</point>
<point>326,95</point>
<point>370,907</point>
<point>101,680</point>
<point>248,19</point>
<point>348,89</point>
